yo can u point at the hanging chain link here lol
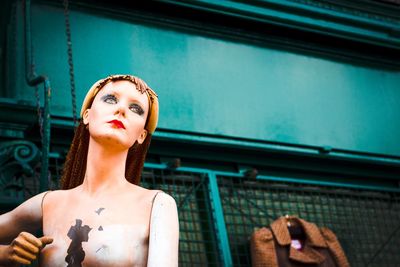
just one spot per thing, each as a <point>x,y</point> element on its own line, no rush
<point>39,111</point>
<point>32,68</point>
<point>70,62</point>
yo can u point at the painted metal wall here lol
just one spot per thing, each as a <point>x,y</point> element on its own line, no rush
<point>219,86</point>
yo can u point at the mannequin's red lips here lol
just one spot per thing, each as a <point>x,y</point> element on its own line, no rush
<point>117,123</point>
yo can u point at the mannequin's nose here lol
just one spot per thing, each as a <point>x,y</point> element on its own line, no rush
<point>120,110</point>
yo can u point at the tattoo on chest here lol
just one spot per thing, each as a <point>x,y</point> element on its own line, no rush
<point>77,234</point>
<point>99,210</point>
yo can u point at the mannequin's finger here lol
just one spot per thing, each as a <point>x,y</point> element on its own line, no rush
<point>26,245</point>
<point>24,254</point>
<point>18,259</point>
<point>46,240</point>
<point>31,238</point>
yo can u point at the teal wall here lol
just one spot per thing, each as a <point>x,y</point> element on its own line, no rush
<point>219,86</point>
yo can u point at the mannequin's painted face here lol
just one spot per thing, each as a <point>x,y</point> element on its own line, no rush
<point>118,115</point>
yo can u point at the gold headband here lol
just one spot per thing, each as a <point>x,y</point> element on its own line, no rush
<point>141,86</point>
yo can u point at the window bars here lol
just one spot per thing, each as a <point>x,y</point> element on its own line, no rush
<point>366,222</point>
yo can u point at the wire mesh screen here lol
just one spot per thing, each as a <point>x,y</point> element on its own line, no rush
<point>197,245</point>
<point>366,223</point>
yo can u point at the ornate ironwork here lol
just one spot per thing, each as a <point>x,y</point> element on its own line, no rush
<point>18,163</point>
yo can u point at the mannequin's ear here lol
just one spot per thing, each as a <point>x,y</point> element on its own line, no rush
<point>142,136</point>
<point>86,116</point>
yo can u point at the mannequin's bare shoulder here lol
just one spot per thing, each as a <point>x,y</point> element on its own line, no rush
<point>30,210</point>
<point>25,217</point>
<point>158,197</point>
<point>55,197</point>
<point>165,200</point>
<point>143,193</point>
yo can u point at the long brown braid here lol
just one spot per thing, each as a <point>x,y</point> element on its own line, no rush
<point>75,164</point>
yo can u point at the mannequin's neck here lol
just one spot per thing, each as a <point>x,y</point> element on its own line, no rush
<point>105,169</point>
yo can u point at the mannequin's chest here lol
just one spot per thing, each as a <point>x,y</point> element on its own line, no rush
<point>90,235</point>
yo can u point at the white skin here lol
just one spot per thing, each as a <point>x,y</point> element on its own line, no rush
<point>122,228</point>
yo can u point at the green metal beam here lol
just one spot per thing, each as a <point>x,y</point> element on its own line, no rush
<point>277,178</point>
<point>243,143</point>
<point>220,220</point>
<point>360,21</point>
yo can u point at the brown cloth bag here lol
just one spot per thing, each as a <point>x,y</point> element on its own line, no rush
<point>271,247</point>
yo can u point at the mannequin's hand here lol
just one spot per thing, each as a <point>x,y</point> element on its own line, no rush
<point>26,247</point>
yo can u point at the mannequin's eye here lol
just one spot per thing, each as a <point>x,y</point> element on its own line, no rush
<point>110,99</point>
<point>137,109</point>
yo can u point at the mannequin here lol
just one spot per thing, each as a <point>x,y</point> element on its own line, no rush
<point>101,217</point>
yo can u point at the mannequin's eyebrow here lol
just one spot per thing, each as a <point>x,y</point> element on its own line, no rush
<point>107,95</point>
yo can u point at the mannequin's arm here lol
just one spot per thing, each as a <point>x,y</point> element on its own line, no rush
<point>25,217</point>
<point>164,233</point>
<point>17,245</point>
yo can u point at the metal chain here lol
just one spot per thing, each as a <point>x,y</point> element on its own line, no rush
<point>70,62</point>
<point>33,71</point>
<point>38,108</point>
<point>39,111</point>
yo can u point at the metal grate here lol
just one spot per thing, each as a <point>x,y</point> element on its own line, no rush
<point>366,223</point>
<point>198,245</point>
